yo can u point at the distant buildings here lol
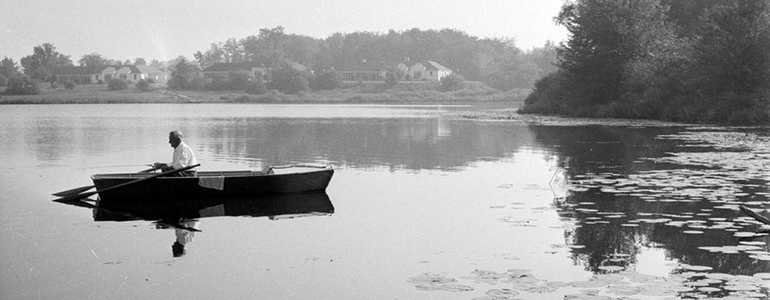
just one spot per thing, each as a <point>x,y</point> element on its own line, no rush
<point>103,74</point>
<point>249,69</point>
<point>420,71</point>
<point>361,72</point>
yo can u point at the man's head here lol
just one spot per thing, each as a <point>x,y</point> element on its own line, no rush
<point>174,138</point>
<point>178,250</point>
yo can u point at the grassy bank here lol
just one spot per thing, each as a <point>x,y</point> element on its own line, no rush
<point>352,93</point>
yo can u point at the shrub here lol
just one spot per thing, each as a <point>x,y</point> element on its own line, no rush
<point>256,87</point>
<point>70,85</point>
<point>289,81</point>
<point>237,81</point>
<point>549,95</point>
<point>392,77</point>
<point>22,86</point>
<point>143,85</point>
<point>452,82</point>
<point>326,81</point>
<point>117,84</point>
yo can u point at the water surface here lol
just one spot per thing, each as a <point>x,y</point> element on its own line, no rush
<point>424,206</point>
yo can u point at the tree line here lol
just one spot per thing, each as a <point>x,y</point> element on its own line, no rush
<point>680,60</point>
<point>496,62</point>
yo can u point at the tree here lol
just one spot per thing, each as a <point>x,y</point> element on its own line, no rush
<point>93,59</point>
<point>157,64</point>
<point>606,37</point>
<point>44,62</point>
<point>730,69</point>
<point>233,51</point>
<point>8,68</point>
<point>742,29</point>
<point>215,54</point>
<point>266,48</point>
<point>180,77</point>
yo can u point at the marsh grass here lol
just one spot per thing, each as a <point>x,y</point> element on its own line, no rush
<point>92,94</point>
<point>420,92</point>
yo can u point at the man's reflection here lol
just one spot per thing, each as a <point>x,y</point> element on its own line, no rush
<point>184,229</point>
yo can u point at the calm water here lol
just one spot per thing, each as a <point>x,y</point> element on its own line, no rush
<point>422,206</point>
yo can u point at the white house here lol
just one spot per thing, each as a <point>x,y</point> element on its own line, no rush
<point>96,74</point>
<point>428,71</point>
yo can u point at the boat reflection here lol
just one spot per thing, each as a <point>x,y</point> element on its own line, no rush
<point>273,206</point>
<point>184,216</point>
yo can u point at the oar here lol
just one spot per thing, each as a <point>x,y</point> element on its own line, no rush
<point>81,189</point>
<point>84,195</point>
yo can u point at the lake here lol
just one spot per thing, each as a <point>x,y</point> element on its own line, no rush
<point>423,205</point>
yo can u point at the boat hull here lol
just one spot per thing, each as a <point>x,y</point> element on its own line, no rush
<point>212,184</point>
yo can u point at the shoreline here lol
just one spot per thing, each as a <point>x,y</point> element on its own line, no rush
<point>99,94</point>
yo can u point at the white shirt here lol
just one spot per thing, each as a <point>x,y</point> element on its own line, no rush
<point>183,156</point>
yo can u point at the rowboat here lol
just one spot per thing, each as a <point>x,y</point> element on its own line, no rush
<point>214,184</point>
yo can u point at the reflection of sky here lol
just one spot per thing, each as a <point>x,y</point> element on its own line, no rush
<point>654,261</point>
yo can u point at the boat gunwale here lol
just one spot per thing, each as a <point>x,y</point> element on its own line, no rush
<point>203,174</point>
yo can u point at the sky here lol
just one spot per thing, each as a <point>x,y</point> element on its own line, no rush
<point>128,29</point>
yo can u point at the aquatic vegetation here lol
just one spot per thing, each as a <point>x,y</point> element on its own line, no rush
<point>692,282</point>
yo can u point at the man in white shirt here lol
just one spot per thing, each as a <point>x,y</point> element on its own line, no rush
<point>183,154</point>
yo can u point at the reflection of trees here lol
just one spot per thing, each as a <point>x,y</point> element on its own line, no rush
<point>600,149</point>
<point>395,143</point>
<point>617,151</point>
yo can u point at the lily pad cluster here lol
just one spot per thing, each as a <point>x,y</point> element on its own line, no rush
<point>692,282</point>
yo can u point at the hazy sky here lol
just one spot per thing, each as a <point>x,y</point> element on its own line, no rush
<point>165,29</point>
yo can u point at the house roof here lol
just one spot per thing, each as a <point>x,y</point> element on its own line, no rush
<point>365,67</point>
<point>88,70</point>
<point>147,69</point>
<point>231,67</point>
<point>432,65</point>
<point>75,70</point>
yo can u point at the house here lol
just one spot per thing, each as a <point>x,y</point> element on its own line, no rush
<point>428,71</point>
<point>103,74</point>
<point>80,75</point>
<point>150,73</point>
<point>364,71</point>
<point>250,69</point>
<point>421,71</point>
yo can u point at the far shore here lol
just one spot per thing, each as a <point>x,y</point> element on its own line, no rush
<point>371,93</point>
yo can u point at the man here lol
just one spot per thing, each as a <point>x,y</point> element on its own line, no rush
<point>183,155</point>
